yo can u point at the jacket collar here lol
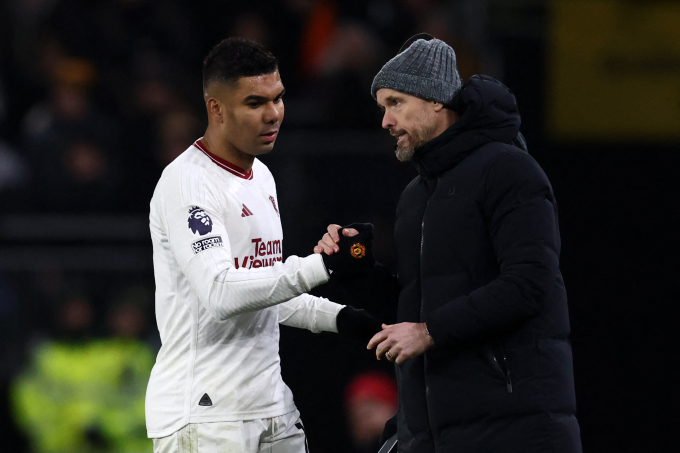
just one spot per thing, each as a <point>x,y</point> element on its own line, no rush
<point>488,113</point>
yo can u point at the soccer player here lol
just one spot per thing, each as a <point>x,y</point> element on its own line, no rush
<point>222,287</point>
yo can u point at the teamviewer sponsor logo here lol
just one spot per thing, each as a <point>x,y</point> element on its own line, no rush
<point>207,243</point>
<point>266,253</point>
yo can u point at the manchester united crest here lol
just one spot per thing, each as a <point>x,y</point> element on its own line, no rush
<point>357,250</point>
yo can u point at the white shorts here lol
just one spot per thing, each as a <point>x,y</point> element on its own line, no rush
<point>284,434</point>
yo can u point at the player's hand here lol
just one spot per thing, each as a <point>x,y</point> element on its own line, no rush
<point>352,253</point>
<point>329,241</point>
<point>358,325</point>
<point>403,341</point>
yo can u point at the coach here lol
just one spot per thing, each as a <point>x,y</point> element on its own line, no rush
<point>481,345</point>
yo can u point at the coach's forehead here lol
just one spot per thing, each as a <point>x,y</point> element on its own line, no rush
<point>385,94</point>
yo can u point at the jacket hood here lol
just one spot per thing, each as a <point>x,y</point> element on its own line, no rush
<point>487,112</point>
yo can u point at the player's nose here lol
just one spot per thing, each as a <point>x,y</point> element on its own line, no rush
<point>273,112</point>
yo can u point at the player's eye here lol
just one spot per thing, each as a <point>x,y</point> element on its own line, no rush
<point>253,105</point>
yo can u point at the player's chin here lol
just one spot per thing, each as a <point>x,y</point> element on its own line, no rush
<point>264,148</point>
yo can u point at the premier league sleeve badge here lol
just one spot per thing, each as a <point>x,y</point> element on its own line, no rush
<point>199,221</point>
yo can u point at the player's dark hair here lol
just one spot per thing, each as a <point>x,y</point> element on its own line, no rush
<point>234,58</point>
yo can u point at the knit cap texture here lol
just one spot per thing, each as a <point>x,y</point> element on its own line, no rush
<point>426,69</point>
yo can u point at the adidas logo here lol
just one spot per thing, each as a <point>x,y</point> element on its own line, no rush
<point>246,212</point>
<point>205,400</point>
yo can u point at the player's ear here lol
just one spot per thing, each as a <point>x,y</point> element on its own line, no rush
<point>438,106</point>
<point>213,106</point>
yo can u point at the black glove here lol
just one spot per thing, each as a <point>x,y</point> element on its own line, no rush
<point>389,430</point>
<point>358,325</point>
<point>355,255</point>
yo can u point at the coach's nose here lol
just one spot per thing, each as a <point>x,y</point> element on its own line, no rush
<point>388,121</point>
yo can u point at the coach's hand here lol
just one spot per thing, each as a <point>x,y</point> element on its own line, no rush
<point>400,342</point>
<point>347,254</point>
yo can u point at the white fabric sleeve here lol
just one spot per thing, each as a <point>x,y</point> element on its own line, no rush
<point>201,248</point>
<point>309,312</point>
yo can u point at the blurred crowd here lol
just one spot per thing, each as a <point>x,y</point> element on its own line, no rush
<point>76,354</point>
<point>96,98</point>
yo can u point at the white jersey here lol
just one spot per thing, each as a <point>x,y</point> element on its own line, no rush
<point>221,291</point>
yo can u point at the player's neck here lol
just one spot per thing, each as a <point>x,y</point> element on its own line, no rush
<point>226,151</point>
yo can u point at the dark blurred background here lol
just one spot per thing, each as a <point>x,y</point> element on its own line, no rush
<point>97,96</point>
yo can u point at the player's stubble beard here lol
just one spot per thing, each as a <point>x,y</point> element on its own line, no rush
<point>421,134</point>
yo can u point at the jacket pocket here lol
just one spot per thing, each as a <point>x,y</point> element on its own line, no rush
<point>501,360</point>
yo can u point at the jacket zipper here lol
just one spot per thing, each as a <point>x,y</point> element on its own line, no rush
<point>422,239</point>
<point>504,368</point>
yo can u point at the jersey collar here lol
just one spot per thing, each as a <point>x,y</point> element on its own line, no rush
<point>228,166</point>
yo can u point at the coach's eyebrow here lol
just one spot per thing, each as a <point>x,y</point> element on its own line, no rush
<point>389,100</point>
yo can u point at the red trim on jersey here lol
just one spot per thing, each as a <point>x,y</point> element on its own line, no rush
<point>231,168</point>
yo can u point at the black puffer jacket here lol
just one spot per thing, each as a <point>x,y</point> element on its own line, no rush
<point>478,250</point>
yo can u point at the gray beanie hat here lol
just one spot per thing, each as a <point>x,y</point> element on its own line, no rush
<point>426,69</point>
